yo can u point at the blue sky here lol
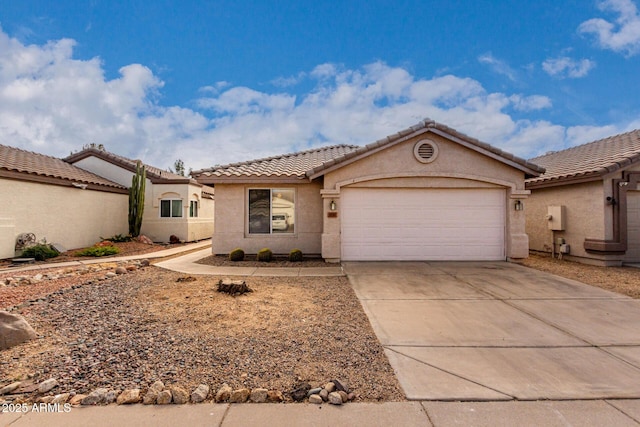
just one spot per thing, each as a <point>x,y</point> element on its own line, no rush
<point>221,81</point>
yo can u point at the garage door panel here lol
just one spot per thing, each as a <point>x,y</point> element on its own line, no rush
<point>420,224</point>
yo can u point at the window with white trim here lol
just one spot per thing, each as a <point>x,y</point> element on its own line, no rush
<point>193,208</point>
<point>271,210</point>
<point>170,208</point>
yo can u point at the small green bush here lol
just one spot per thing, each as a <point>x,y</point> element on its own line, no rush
<point>236,255</point>
<point>265,255</point>
<point>118,238</point>
<point>40,252</point>
<point>97,251</point>
<point>295,255</point>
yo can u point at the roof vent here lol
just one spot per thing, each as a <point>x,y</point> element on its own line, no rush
<point>425,151</point>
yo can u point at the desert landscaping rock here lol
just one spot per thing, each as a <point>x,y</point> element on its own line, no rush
<point>75,400</point>
<point>61,398</point>
<point>14,330</point>
<point>343,395</point>
<point>316,399</point>
<point>224,393</point>
<point>330,387</point>
<point>164,397</point>
<point>95,397</point>
<point>129,396</point>
<point>275,396</point>
<point>200,393</point>
<point>9,388</point>
<point>335,398</point>
<point>131,330</point>
<point>341,385</point>
<point>314,391</point>
<point>259,395</point>
<point>121,270</point>
<point>240,395</point>
<point>47,385</point>
<point>180,395</point>
<point>300,392</point>
<point>324,394</point>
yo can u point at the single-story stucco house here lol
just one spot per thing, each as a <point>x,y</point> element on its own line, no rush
<point>425,193</point>
<point>586,206</point>
<point>56,201</point>
<point>174,204</point>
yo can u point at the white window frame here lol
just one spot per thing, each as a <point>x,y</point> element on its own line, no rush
<point>171,200</point>
<point>193,203</point>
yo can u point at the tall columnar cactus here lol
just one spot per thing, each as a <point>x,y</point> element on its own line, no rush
<point>136,200</point>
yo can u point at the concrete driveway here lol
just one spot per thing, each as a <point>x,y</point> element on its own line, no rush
<point>499,331</point>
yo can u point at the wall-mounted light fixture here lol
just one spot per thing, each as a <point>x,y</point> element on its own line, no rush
<point>332,205</point>
<point>518,205</point>
<point>611,201</point>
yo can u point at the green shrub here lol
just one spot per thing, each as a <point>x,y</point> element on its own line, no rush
<point>265,255</point>
<point>295,255</point>
<point>236,255</point>
<point>40,252</point>
<point>118,238</point>
<point>98,251</point>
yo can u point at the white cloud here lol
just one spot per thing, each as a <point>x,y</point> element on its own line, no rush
<point>53,104</point>
<point>567,67</point>
<point>498,65</point>
<point>530,103</point>
<point>621,35</point>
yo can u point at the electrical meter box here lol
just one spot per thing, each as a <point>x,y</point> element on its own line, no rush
<point>556,218</point>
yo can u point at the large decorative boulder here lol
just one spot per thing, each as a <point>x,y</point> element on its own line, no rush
<point>14,330</point>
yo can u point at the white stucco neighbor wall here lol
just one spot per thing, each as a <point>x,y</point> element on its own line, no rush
<point>73,217</point>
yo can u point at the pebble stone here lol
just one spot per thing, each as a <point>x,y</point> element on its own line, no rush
<point>240,395</point>
<point>47,385</point>
<point>200,393</point>
<point>180,395</point>
<point>259,395</point>
<point>224,393</point>
<point>335,398</point>
<point>164,397</point>
<point>315,398</point>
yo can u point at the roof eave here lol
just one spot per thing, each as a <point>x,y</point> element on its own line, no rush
<point>64,182</point>
<point>263,179</point>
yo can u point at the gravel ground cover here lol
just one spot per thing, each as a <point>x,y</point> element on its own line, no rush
<point>624,280</point>
<point>278,261</point>
<point>151,324</point>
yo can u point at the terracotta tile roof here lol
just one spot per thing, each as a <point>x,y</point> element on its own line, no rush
<point>593,159</point>
<point>30,166</point>
<point>315,162</point>
<point>156,175</point>
<point>428,125</point>
<point>294,165</point>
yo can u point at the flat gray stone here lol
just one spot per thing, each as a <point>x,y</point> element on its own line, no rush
<point>549,414</point>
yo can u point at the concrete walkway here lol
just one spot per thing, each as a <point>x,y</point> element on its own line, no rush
<point>500,331</point>
<point>619,413</point>
<point>187,264</point>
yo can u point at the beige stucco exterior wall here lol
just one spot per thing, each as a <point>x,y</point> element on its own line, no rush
<point>231,221</point>
<point>189,229</point>
<point>454,167</point>
<point>586,216</point>
<point>73,217</point>
<point>153,226</point>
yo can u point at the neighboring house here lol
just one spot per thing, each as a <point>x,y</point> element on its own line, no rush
<point>425,193</point>
<point>174,204</point>
<point>56,201</point>
<point>589,197</point>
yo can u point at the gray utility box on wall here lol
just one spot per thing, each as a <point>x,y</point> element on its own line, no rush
<point>556,218</point>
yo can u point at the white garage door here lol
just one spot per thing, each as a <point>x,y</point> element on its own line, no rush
<point>422,224</point>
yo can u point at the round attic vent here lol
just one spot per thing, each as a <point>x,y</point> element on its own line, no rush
<point>425,151</point>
